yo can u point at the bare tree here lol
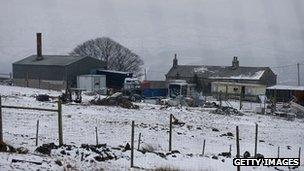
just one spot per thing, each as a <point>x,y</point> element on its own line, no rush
<point>116,56</point>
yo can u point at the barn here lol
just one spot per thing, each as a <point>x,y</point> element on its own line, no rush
<point>55,72</point>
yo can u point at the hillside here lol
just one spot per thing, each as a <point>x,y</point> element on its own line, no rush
<point>152,121</point>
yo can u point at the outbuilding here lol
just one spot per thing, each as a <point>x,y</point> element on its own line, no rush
<point>92,83</point>
<point>115,79</point>
<point>286,93</point>
<point>153,88</point>
<point>52,71</point>
<point>233,90</point>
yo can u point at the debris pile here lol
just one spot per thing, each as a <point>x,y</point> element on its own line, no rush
<point>46,148</point>
<point>115,100</point>
<point>289,111</point>
<point>210,105</point>
<point>228,134</point>
<point>6,148</point>
<point>226,110</point>
<point>176,121</point>
<point>43,97</point>
<point>225,154</point>
<point>84,153</point>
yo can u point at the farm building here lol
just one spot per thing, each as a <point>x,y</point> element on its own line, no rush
<point>52,71</point>
<point>91,82</point>
<point>181,88</point>
<point>283,93</point>
<point>114,79</point>
<point>152,88</point>
<point>204,75</point>
<point>235,90</point>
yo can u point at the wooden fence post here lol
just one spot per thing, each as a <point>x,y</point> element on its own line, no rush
<point>39,82</point>
<point>27,79</point>
<point>241,101</point>
<point>139,139</point>
<point>237,146</point>
<point>60,122</point>
<point>256,140</point>
<point>37,131</point>
<point>170,133</point>
<point>230,149</point>
<point>96,132</point>
<point>132,144</point>
<point>278,152</point>
<point>204,145</point>
<point>299,152</point>
<point>220,98</point>
<point>1,130</point>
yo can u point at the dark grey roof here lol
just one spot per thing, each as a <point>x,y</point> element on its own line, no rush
<point>218,72</point>
<point>57,60</point>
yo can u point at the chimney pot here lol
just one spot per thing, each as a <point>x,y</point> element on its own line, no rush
<point>39,46</point>
<point>175,62</point>
<point>235,62</point>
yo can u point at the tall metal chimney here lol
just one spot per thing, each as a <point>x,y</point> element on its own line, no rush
<point>175,62</point>
<point>39,46</point>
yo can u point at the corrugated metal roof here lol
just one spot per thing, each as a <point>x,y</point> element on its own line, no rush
<point>58,60</point>
<point>286,87</point>
<point>218,72</point>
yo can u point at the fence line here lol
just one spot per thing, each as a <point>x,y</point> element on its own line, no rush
<point>59,111</point>
<point>29,108</point>
<point>60,132</point>
<point>132,144</point>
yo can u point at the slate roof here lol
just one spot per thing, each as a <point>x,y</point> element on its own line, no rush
<point>56,60</point>
<point>218,72</point>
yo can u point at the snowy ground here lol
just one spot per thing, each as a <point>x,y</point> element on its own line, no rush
<point>152,121</point>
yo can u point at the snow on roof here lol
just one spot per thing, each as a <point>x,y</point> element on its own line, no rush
<point>238,84</point>
<point>201,69</point>
<point>286,87</point>
<point>255,76</point>
<point>217,72</point>
<point>113,71</point>
<point>91,75</point>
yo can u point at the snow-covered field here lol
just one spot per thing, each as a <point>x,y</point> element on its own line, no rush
<point>152,121</point>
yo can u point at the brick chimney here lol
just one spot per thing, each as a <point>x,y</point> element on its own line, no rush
<point>39,47</point>
<point>175,62</point>
<point>235,62</point>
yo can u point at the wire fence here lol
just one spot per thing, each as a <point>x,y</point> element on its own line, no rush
<point>19,127</point>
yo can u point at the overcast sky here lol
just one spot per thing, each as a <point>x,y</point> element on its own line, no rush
<point>210,32</point>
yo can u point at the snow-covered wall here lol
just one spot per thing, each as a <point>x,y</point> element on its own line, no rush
<point>260,32</point>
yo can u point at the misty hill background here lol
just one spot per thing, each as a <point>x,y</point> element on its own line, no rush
<point>210,32</point>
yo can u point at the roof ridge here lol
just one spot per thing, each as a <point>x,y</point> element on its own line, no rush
<point>58,60</point>
<point>223,66</point>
